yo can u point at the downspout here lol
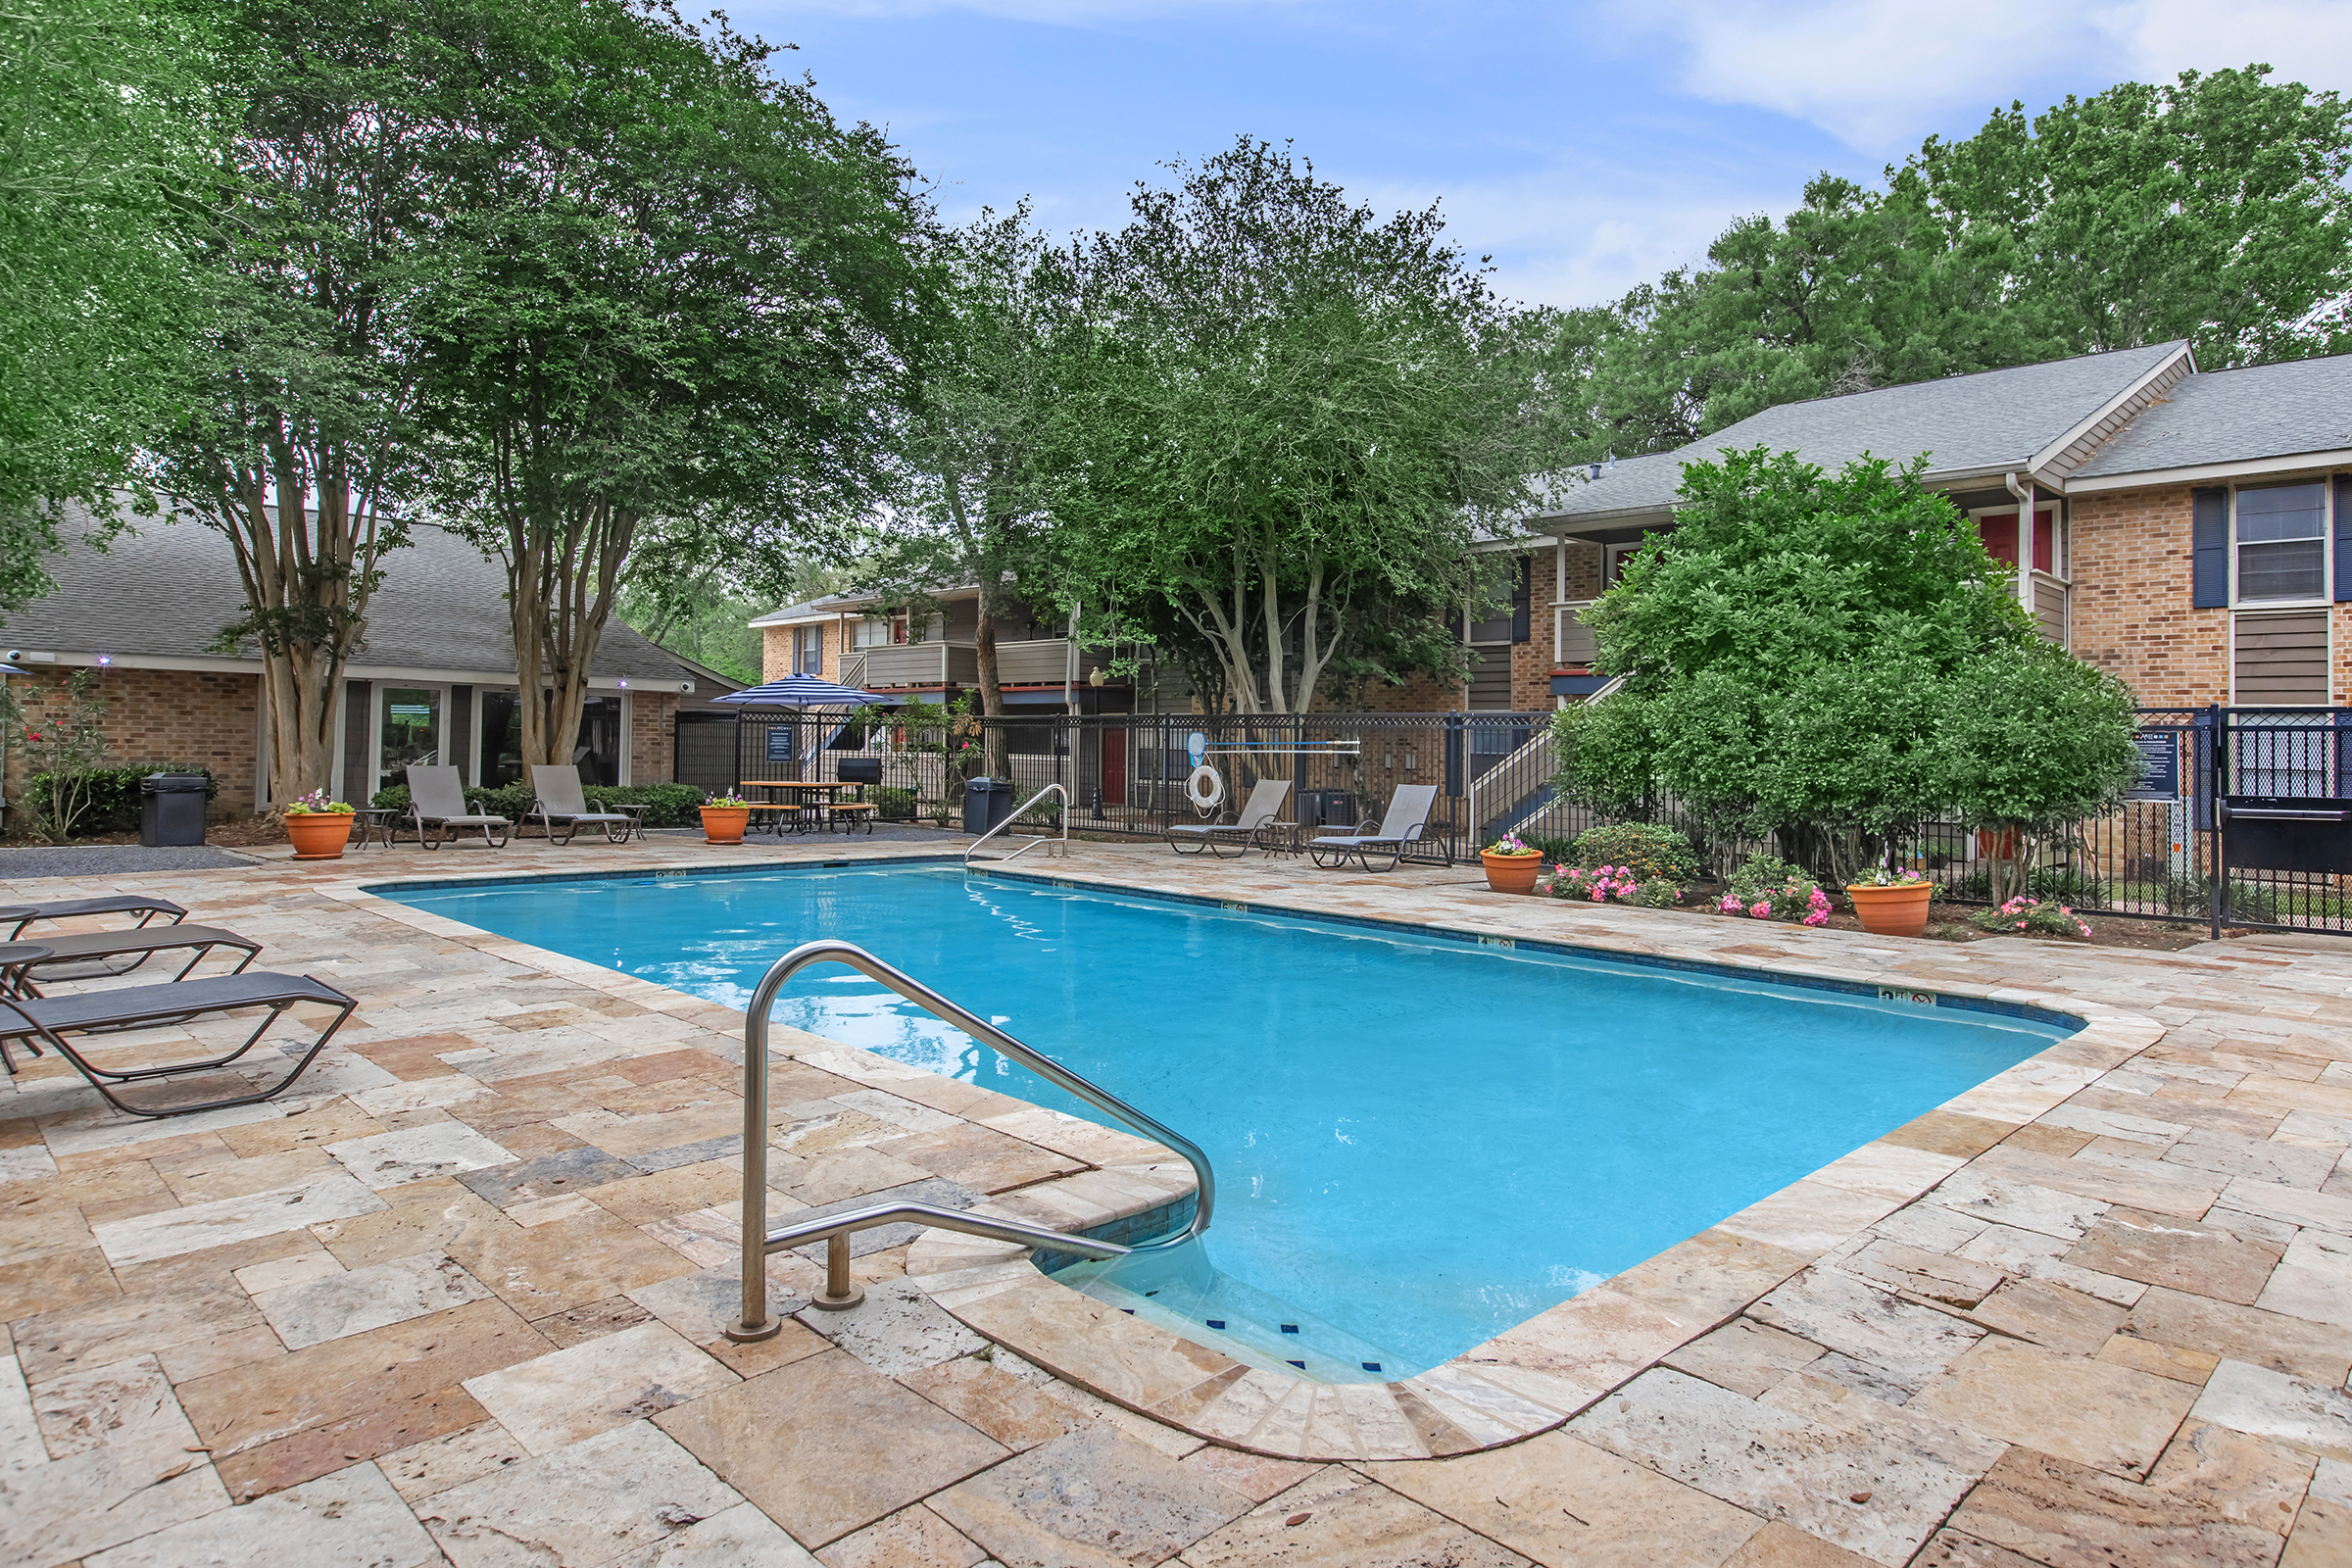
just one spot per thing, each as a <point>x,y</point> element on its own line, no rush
<point>2025,536</point>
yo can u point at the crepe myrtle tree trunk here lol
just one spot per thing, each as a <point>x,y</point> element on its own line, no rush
<point>563,575</point>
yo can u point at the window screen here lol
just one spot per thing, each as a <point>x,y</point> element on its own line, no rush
<point>2282,543</point>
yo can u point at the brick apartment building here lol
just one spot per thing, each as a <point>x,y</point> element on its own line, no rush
<point>434,682</point>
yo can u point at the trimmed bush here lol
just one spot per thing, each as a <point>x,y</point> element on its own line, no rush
<point>114,793</point>
<point>892,803</point>
<point>671,805</point>
<point>1650,851</point>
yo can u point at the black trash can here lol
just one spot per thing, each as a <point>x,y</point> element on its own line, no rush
<point>987,803</point>
<point>171,809</point>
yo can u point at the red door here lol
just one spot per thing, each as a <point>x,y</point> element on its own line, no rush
<point>1114,767</point>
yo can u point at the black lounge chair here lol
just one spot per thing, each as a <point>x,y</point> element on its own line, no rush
<point>21,916</point>
<point>98,952</point>
<point>46,1020</point>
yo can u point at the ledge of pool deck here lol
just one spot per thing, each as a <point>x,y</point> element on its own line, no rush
<point>1532,1376</point>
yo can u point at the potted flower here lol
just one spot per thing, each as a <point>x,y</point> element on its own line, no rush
<point>1511,865</point>
<point>319,827</point>
<point>724,817</point>
<point>1892,903</point>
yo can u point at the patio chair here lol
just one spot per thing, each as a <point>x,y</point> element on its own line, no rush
<point>20,916</point>
<point>561,800</point>
<point>1257,814</point>
<point>47,1020</point>
<point>437,806</point>
<point>1407,818</point>
<point>100,952</point>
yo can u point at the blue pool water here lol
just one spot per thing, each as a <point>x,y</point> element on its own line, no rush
<point>1418,1141</point>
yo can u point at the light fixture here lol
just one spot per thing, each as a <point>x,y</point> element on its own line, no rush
<point>105,659</point>
<point>1097,677</point>
<point>624,683</point>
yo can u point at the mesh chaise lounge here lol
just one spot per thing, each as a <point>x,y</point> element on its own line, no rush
<point>101,953</point>
<point>561,800</point>
<point>47,1020</point>
<point>437,806</point>
<point>21,916</point>
<point>1257,814</point>
<point>1407,816</point>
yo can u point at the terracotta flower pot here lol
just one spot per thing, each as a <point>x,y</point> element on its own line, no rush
<point>1512,873</point>
<point>319,835</point>
<point>724,824</point>
<point>1900,910</point>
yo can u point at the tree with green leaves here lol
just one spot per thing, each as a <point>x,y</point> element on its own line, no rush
<point>297,440</point>
<point>102,129</point>
<point>1297,414</point>
<point>673,290</point>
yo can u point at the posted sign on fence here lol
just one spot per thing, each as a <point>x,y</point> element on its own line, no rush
<point>2159,766</point>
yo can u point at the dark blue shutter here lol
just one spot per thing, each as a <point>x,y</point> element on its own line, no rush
<point>2343,536</point>
<point>1520,593</point>
<point>2209,576</point>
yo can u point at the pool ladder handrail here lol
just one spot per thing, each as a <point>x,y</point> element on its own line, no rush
<point>1061,846</point>
<point>835,1229</point>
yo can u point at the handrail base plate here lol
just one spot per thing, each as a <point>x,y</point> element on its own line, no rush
<point>753,1335</point>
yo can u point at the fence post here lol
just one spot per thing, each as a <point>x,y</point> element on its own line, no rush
<point>2214,779</point>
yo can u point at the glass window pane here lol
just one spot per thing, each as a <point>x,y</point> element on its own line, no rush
<point>2291,571</point>
<point>412,732</point>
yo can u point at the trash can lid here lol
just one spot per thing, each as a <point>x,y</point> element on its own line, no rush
<point>172,783</point>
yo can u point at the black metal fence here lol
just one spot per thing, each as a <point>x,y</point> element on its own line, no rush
<point>2240,816</point>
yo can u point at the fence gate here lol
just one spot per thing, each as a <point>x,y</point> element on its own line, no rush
<point>705,751</point>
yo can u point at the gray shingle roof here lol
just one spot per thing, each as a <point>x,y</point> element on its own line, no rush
<point>1965,424</point>
<point>2265,411</point>
<point>167,591</point>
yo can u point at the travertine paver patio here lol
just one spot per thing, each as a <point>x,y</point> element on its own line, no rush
<point>458,1297</point>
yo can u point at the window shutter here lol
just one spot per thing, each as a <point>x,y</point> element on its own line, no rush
<point>2343,537</point>
<point>1520,593</point>
<point>2209,575</point>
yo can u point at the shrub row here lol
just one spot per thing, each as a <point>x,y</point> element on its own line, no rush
<point>671,805</point>
<point>114,793</point>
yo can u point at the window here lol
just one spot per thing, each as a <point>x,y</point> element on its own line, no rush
<point>875,633</point>
<point>410,732</point>
<point>1503,598</point>
<point>1998,530</point>
<point>596,752</point>
<point>2282,544</point>
<point>807,650</point>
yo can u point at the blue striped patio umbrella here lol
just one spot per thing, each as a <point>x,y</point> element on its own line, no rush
<point>805,691</point>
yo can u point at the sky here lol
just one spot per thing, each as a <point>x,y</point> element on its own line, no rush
<point>1584,146</point>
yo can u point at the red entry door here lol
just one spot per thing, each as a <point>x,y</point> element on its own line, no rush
<point>1114,767</point>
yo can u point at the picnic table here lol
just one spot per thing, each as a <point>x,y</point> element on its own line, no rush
<point>795,806</point>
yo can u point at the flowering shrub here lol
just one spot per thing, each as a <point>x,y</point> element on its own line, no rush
<point>1511,844</point>
<point>1769,889</point>
<point>1645,849</point>
<point>728,800</point>
<point>316,803</point>
<point>2035,917</point>
<point>1881,877</point>
<point>1611,883</point>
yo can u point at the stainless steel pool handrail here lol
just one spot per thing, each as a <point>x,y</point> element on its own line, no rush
<point>1063,843</point>
<point>759,1240</point>
<point>835,1230</point>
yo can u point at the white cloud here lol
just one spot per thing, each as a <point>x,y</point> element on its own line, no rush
<point>1879,73</point>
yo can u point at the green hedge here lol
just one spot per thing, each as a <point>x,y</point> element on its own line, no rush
<point>114,793</point>
<point>671,805</point>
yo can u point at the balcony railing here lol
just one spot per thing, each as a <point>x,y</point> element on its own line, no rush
<point>1042,662</point>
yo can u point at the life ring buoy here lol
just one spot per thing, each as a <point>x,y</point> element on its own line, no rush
<point>1205,789</point>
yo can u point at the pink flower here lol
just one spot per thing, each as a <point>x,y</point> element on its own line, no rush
<point>1818,918</point>
<point>1761,910</point>
<point>1730,903</point>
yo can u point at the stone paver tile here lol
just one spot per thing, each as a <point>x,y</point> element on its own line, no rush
<point>1809,1217</point>
<point>1905,1344</point>
<point>422,1217</point>
<point>2324,1210</point>
<point>277,1423</point>
<point>1254,1476</point>
<point>2313,1280</point>
<point>440,1148</point>
<point>115,1327</point>
<point>2318,1351</point>
<point>322,1123</point>
<point>1339,1519</point>
<point>878,1446</point>
<point>2229,1155</point>
<point>1922,1274</point>
<point>125,1462</point>
<point>582,1506</point>
<point>1098,1347</point>
<point>2178,1253</point>
<point>1779,1545</point>
<point>1092,1496</point>
<point>540,1269</point>
<point>2309,1417</point>
<point>1708,1277</point>
<point>350,1519</point>
<point>2323,1537</point>
<point>359,1300</point>
<point>1559,1500</point>
<point>1013,1412</point>
<point>568,1394</point>
<point>898,1329</point>
<point>2161,1360</point>
<point>1595,1341</point>
<point>2250,1480</point>
<point>741,1536</point>
<point>437,1464</point>
<point>1746,1356</point>
<point>2066,1321</point>
<point>627,1137</point>
<point>1794,1464</point>
<point>2067,1515</point>
<point>1950,1132</point>
<point>2090,1411</point>
<point>279,1273</point>
<point>979,1157</point>
<point>204,1175</point>
<point>680,1190</point>
<point>579,1324</point>
<point>557,1175</point>
<point>1951,1548</point>
<point>2148,1185</point>
<point>911,1538</point>
<point>1978,1194</point>
<point>200,1226</point>
<point>59,1280</point>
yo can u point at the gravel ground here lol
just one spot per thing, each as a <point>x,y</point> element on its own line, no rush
<point>112,859</point>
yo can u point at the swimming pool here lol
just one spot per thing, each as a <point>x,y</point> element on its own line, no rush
<point>1419,1140</point>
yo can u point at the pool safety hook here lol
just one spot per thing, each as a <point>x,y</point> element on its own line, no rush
<point>835,1229</point>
